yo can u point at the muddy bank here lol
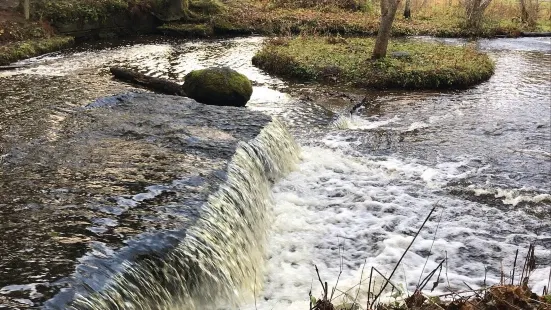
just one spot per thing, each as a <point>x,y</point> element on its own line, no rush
<point>122,166</point>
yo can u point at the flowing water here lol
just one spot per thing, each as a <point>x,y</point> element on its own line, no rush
<point>363,186</point>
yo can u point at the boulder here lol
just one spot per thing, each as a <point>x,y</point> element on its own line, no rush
<point>218,86</point>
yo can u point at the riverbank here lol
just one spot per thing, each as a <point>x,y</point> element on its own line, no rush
<point>349,17</point>
<point>30,48</point>
<point>110,18</point>
<point>346,61</point>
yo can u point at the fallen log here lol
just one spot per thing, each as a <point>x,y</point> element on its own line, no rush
<point>158,85</point>
<point>12,67</point>
<point>535,34</point>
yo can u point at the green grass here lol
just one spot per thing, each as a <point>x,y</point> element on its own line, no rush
<point>25,49</point>
<point>347,62</point>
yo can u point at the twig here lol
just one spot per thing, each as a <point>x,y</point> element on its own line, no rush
<point>369,286</point>
<point>549,280</point>
<point>474,291</point>
<point>460,292</point>
<point>502,275</point>
<point>429,276</point>
<point>310,293</point>
<point>514,267</point>
<point>405,280</point>
<point>485,275</point>
<point>389,282</point>
<point>430,250</point>
<point>319,278</point>
<point>360,286</point>
<point>340,271</point>
<point>447,278</point>
<point>404,254</point>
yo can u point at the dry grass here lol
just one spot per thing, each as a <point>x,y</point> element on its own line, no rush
<point>436,17</point>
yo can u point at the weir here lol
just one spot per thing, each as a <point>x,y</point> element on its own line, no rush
<point>219,261</point>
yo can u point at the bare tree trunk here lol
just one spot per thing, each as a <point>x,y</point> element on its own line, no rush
<point>407,10</point>
<point>27,9</point>
<point>529,10</point>
<point>474,10</point>
<point>173,10</point>
<point>388,11</point>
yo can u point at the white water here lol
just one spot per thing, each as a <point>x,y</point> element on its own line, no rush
<point>218,260</point>
<point>372,205</point>
<point>344,206</point>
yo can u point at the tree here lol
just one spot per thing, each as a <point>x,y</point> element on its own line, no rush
<point>388,11</point>
<point>474,10</point>
<point>407,10</point>
<point>26,9</point>
<point>173,10</point>
<point>529,10</point>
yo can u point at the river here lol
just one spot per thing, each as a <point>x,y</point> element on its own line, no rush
<point>364,185</point>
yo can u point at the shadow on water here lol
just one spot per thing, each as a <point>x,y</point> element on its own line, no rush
<point>78,183</point>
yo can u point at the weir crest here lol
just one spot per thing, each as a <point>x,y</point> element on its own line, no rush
<point>219,262</point>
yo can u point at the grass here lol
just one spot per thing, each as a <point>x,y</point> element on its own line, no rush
<point>25,49</point>
<point>335,60</point>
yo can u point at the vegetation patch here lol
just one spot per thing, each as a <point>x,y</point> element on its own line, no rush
<point>15,30</point>
<point>411,65</point>
<point>350,17</point>
<point>187,30</point>
<point>69,11</point>
<point>25,49</point>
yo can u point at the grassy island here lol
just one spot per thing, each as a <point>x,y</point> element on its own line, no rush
<point>347,61</point>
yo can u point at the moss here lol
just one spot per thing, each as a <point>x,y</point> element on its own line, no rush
<point>206,7</point>
<point>21,50</point>
<point>69,11</point>
<point>187,30</point>
<point>428,65</point>
<point>218,86</point>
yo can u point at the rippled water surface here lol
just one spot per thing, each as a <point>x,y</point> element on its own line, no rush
<point>365,183</point>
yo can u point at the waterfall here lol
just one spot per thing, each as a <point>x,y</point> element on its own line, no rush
<point>219,263</point>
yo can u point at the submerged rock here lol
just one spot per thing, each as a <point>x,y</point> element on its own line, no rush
<point>218,86</point>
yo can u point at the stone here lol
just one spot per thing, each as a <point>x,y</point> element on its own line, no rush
<point>400,55</point>
<point>220,86</point>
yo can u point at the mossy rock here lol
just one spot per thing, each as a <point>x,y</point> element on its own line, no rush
<point>218,86</point>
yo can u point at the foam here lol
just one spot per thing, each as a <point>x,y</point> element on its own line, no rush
<point>511,196</point>
<point>351,122</point>
<point>372,206</point>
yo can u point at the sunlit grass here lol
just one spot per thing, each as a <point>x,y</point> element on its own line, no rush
<point>419,65</point>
